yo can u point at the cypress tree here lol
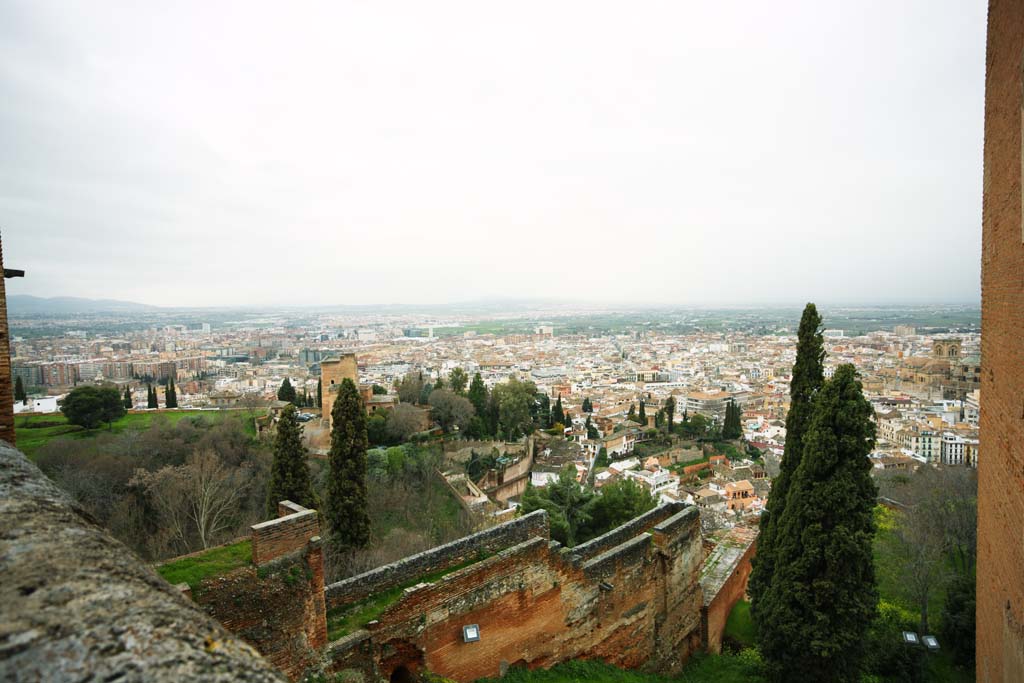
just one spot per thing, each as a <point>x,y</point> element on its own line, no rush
<point>289,473</point>
<point>808,374</point>
<point>631,415</point>
<point>541,411</point>
<point>172,394</point>
<point>345,510</point>
<point>588,407</point>
<point>19,390</point>
<point>642,417</point>
<point>670,411</point>
<point>478,394</point>
<point>286,392</point>
<point>127,397</point>
<point>320,393</point>
<point>821,600</point>
<point>151,398</point>
<point>731,427</point>
<point>557,414</point>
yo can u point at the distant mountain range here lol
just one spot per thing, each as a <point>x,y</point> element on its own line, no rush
<point>25,304</point>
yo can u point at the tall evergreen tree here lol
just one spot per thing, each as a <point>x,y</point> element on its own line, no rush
<point>821,599</point>
<point>588,407</point>
<point>478,394</point>
<point>127,397</point>
<point>591,429</point>
<point>345,508</point>
<point>808,374</point>
<point>542,411</point>
<point>171,395</point>
<point>151,398</point>
<point>320,393</point>
<point>289,472</point>
<point>557,414</point>
<point>642,416</point>
<point>670,412</point>
<point>19,390</point>
<point>732,427</point>
<point>286,392</point>
<point>631,415</point>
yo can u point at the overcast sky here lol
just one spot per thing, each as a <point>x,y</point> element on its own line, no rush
<point>217,153</point>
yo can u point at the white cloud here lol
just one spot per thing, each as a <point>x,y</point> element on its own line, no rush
<point>428,152</point>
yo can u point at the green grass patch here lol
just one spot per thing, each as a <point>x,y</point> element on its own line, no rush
<point>739,626</point>
<point>342,621</point>
<point>742,668</point>
<point>214,562</point>
<point>35,431</point>
<point>678,467</point>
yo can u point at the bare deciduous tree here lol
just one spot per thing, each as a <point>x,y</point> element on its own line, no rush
<point>196,501</point>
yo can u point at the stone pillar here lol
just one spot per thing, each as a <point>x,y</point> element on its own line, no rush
<point>6,385</point>
<point>1000,601</point>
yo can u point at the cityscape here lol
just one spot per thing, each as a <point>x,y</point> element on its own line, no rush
<point>557,342</point>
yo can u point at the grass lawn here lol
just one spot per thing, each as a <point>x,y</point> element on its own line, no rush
<point>700,669</point>
<point>739,626</point>
<point>54,425</point>
<point>213,562</point>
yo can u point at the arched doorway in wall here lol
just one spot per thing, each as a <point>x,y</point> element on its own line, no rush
<point>402,674</point>
<point>401,661</point>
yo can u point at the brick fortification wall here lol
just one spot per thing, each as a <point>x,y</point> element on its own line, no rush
<point>74,600</point>
<point>277,607</point>
<point>635,603</point>
<point>1000,613</point>
<point>277,603</point>
<point>438,559</point>
<point>723,581</point>
<point>288,533</point>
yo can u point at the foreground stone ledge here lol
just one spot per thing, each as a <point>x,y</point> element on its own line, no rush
<point>76,604</point>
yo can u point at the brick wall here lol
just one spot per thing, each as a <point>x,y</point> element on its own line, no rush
<point>438,559</point>
<point>6,384</point>
<point>285,534</point>
<point>1000,596</point>
<point>723,597</point>
<point>277,608</point>
<point>634,604</point>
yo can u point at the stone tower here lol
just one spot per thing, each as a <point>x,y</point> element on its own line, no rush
<point>332,372</point>
<point>1000,611</point>
<point>948,349</point>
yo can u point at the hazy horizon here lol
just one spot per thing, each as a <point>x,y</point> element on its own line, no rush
<point>406,154</point>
